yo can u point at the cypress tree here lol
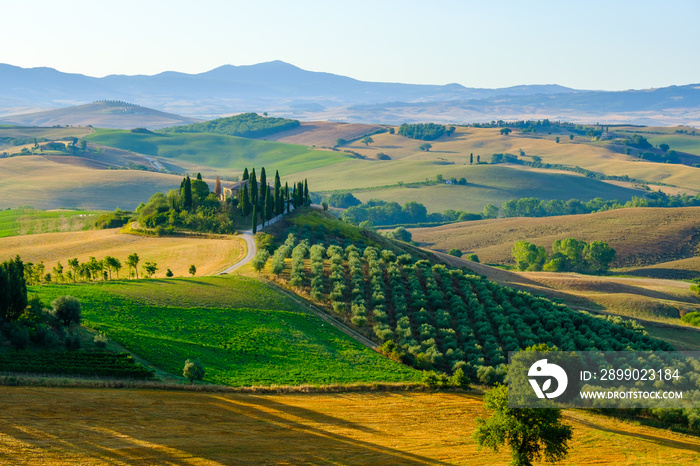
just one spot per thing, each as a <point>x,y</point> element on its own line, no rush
<point>263,187</point>
<point>255,219</point>
<point>245,174</point>
<point>307,200</point>
<point>13,289</point>
<point>294,195</point>
<point>286,194</point>
<point>300,194</point>
<point>278,194</point>
<point>253,185</point>
<point>217,186</point>
<point>269,207</point>
<point>187,194</point>
<point>244,201</point>
<point>199,176</point>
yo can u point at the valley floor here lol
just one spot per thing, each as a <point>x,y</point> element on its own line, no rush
<point>53,426</point>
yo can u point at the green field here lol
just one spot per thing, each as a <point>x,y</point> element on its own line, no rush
<point>219,152</point>
<point>27,221</point>
<point>245,332</point>
<point>495,184</point>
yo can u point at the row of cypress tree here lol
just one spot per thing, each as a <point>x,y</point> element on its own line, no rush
<point>266,202</point>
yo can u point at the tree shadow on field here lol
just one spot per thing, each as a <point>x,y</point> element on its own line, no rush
<point>306,442</point>
<point>307,414</point>
<point>77,426</point>
<point>666,442</point>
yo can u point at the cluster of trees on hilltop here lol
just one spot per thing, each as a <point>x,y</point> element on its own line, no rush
<point>194,207</point>
<point>424,131</point>
<point>568,255</point>
<point>246,125</point>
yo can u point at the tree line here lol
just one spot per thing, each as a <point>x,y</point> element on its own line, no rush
<point>568,255</point>
<point>245,125</point>
<point>424,131</point>
<point>382,213</point>
<point>92,270</point>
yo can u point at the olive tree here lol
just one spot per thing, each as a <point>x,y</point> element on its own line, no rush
<point>530,433</point>
<point>193,370</point>
<point>67,310</point>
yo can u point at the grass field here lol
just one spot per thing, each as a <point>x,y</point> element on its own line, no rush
<point>244,331</point>
<point>46,182</point>
<point>681,269</point>
<point>222,154</point>
<point>675,234</point>
<point>409,164</point>
<point>30,221</point>
<point>322,133</point>
<point>21,132</point>
<point>156,427</point>
<point>177,253</point>
<point>495,184</point>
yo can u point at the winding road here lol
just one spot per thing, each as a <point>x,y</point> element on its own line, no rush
<point>250,246</point>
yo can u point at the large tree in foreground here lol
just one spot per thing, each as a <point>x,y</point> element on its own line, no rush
<point>530,433</point>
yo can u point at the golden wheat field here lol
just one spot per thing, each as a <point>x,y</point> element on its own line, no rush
<point>52,426</point>
<point>209,255</point>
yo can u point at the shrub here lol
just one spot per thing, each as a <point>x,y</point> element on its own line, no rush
<point>67,310</point>
<point>193,370</point>
<point>260,259</point>
<point>473,257</point>
<point>434,380</point>
<point>73,342</point>
<point>19,336</point>
<point>455,252</point>
<point>100,340</point>
<point>459,379</point>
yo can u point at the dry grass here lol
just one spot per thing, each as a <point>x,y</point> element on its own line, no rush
<point>675,234</point>
<point>95,427</point>
<point>487,141</point>
<point>45,182</point>
<point>209,255</point>
<point>322,133</point>
<point>679,269</point>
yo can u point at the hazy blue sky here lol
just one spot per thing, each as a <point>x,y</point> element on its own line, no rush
<point>587,45</point>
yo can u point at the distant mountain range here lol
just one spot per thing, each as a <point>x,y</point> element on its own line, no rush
<point>286,90</point>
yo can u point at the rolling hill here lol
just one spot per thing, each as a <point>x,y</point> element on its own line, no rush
<point>217,153</point>
<point>103,114</point>
<point>675,234</point>
<point>292,92</point>
<point>52,182</point>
